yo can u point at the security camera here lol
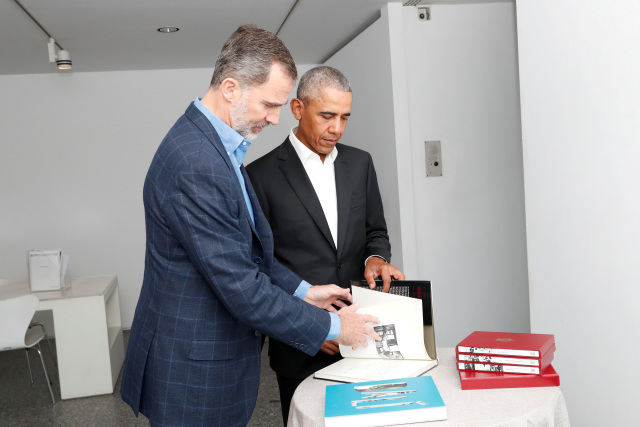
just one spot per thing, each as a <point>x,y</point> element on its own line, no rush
<point>424,13</point>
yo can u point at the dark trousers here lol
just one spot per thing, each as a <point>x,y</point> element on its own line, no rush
<point>287,387</point>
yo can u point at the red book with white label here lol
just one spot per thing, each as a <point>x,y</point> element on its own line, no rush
<point>474,380</point>
<point>506,344</point>
<point>512,364</point>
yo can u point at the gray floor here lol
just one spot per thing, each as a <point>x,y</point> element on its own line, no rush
<point>23,404</point>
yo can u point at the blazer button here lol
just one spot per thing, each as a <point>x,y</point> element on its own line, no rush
<point>339,265</point>
<point>257,260</point>
<point>257,333</point>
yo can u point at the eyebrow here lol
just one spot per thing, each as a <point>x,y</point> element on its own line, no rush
<point>334,114</point>
<point>274,104</point>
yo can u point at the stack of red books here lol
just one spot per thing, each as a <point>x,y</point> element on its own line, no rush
<point>506,360</point>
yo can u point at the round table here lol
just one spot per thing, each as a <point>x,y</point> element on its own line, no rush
<point>535,406</point>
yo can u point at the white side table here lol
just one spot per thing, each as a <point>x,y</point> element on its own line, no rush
<point>88,332</point>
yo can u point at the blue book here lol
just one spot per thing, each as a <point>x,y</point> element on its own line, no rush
<point>383,403</point>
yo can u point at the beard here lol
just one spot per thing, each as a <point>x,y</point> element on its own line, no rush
<point>239,121</point>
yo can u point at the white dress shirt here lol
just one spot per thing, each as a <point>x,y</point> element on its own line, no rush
<point>322,178</point>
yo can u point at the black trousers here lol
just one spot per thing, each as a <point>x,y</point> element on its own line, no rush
<point>287,387</point>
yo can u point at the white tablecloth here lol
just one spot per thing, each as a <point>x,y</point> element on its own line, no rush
<point>513,407</point>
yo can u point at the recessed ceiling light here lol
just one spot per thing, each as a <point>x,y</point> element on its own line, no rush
<point>168,29</point>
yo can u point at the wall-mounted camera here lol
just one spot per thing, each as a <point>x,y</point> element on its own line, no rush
<point>424,13</point>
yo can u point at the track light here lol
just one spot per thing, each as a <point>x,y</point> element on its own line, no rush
<point>62,58</point>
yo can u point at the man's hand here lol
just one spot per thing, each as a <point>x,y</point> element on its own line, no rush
<point>375,267</point>
<point>354,328</point>
<point>326,296</point>
<point>330,347</point>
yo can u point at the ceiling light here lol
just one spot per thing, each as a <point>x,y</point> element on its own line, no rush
<point>168,29</point>
<point>62,58</point>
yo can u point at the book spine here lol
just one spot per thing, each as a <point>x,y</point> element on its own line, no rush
<point>498,368</point>
<point>500,351</point>
<point>485,380</point>
<point>477,358</point>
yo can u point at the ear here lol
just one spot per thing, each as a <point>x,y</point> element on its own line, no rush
<point>230,89</point>
<point>297,108</point>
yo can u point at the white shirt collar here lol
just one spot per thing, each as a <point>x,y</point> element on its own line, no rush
<point>304,153</point>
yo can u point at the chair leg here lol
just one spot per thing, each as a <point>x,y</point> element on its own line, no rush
<point>55,359</point>
<point>46,375</point>
<point>26,351</point>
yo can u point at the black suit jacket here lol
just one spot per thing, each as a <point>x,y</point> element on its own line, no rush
<point>302,240</point>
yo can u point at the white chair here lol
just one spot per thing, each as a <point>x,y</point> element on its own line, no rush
<point>15,317</point>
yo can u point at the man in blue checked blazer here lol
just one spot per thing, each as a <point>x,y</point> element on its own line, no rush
<point>211,285</point>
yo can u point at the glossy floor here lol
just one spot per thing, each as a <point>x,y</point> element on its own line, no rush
<point>23,404</point>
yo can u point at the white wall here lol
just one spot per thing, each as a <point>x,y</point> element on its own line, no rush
<point>452,79</point>
<point>76,147</point>
<point>74,151</point>
<point>463,91</point>
<point>580,88</point>
<point>372,125</point>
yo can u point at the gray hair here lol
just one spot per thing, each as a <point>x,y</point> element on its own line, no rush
<point>248,55</point>
<point>316,79</point>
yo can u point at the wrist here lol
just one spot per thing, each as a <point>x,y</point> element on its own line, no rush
<point>374,256</point>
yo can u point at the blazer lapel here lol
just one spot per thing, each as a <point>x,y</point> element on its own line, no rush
<point>343,193</point>
<point>258,216</point>
<point>208,130</point>
<point>297,177</point>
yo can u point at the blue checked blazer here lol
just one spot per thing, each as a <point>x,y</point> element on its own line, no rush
<point>211,287</point>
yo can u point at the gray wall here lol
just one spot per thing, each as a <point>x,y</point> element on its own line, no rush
<point>452,79</point>
<point>581,136</point>
<point>74,151</point>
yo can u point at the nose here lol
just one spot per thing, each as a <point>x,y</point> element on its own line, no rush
<point>337,126</point>
<point>273,117</point>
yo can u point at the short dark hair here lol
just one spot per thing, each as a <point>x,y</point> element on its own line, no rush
<point>318,78</point>
<point>248,55</point>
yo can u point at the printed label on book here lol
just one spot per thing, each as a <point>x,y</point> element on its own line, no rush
<point>501,351</point>
<point>480,358</point>
<point>498,368</point>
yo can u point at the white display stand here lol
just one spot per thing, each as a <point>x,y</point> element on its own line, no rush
<point>88,331</point>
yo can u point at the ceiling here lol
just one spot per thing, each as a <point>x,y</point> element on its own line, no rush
<point>122,34</point>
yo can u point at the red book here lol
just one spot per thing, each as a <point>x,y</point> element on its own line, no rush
<point>506,344</point>
<point>473,380</point>
<point>510,364</point>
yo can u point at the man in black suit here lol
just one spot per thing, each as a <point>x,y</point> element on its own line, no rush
<point>322,201</point>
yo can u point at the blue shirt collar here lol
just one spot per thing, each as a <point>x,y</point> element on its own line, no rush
<point>233,142</point>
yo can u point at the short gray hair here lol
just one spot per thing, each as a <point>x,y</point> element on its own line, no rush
<point>248,55</point>
<point>317,79</point>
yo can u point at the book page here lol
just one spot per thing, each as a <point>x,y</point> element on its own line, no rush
<point>400,327</point>
<point>354,370</point>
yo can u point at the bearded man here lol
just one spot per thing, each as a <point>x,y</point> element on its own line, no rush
<point>211,284</point>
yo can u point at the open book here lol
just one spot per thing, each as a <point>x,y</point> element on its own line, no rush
<point>400,353</point>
